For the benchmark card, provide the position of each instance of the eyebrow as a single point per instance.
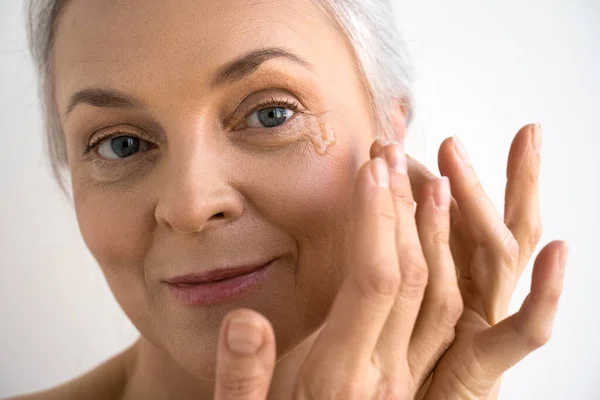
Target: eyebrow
(249, 63)
(231, 72)
(102, 98)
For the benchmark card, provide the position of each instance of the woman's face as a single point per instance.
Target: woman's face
(224, 133)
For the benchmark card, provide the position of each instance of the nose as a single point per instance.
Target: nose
(194, 197)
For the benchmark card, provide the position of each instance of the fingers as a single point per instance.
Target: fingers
(522, 205)
(434, 330)
(418, 173)
(419, 176)
(245, 358)
(365, 298)
(494, 250)
(503, 345)
(442, 304)
(485, 222)
(376, 148)
(398, 329)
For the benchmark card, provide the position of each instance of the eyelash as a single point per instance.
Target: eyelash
(272, 102)
(94, 143)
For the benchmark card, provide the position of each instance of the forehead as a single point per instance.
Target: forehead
(127, 42)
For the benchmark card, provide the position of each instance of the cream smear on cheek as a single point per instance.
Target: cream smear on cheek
(320, 133)
(311, 127)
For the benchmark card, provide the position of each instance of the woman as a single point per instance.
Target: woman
(225, 178)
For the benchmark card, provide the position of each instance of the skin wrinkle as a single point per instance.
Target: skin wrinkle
(153, 216)
(265, 76)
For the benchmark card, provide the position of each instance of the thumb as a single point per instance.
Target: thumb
(245, 356)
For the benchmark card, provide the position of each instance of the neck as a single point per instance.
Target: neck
(152, 374)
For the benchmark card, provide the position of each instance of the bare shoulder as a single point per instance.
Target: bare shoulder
(106, 381)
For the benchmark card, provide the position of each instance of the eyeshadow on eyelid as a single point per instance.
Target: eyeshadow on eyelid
(304, 85)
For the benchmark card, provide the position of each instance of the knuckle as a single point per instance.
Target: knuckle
(538, 337)
(531, 179)
(403, 198)
(380, 280)
(552, 297)
(530, 232)
(449, 308)
(414, 274)
(536, 235)
(239, 384)
(534, 335)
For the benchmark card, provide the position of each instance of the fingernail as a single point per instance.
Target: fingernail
(460, 150)
(442, 193)
(396, 158)
(380, 173)
(244, 336)
(375, 149)
(536, 138)
(382, 142)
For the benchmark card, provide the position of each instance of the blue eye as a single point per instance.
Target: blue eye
(120, 147)
(269, 117)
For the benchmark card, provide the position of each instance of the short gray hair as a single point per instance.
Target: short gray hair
(381, 54)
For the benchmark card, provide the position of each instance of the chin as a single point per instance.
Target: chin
(188, 335)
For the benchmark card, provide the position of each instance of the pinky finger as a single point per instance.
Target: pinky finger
(508, 342)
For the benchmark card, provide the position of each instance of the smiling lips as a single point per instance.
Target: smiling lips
(217, 285)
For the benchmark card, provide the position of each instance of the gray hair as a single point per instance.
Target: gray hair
(368, 24)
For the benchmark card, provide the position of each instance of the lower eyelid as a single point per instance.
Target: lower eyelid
(286, 130)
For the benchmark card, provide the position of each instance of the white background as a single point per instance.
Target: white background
(485, 68)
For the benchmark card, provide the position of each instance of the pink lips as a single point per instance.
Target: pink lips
(217, 285)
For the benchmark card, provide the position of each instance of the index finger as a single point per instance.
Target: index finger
(366, 296)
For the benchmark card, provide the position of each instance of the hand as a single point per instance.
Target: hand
(366, 345)
(490, 253)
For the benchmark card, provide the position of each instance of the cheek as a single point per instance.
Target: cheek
(116, 232)
(308, 196)
(118, 235)
(116, 225)
(299, 191)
